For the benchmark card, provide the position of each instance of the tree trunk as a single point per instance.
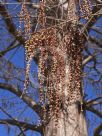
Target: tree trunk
(70, 123)
(72, 120)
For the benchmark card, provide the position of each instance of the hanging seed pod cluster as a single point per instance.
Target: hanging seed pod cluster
(74, 43)
(25, 21)
(59, 66)
(85, 8)
(42, 16)
(25, 24)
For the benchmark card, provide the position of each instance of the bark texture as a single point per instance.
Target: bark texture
(70, 123)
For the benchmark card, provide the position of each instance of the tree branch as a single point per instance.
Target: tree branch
(12, 119)
(95, 101)
(91, 109)
(95, 40)
(10, 25)
(25, 98)
(97, 29)
(13, 45)
(24, 125)
(35, 6)
(98, 130)
(85, 61)
(99, 1)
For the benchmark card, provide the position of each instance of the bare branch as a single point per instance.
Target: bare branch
(12, 119)
(93, 110)
(95, 101)
(95, 40)
(36, 6)
(99, 1)
(98, 130)
(85, 61)
(23, 125)
(13, 45)
(10, 25)
(97, 29)
(94, 46)
(29, 101)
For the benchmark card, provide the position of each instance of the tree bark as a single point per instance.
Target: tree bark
(70, 123)
(72, 120)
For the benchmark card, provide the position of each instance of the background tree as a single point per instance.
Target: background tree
(25, 111)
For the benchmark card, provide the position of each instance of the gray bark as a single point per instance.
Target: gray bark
(70, 123)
